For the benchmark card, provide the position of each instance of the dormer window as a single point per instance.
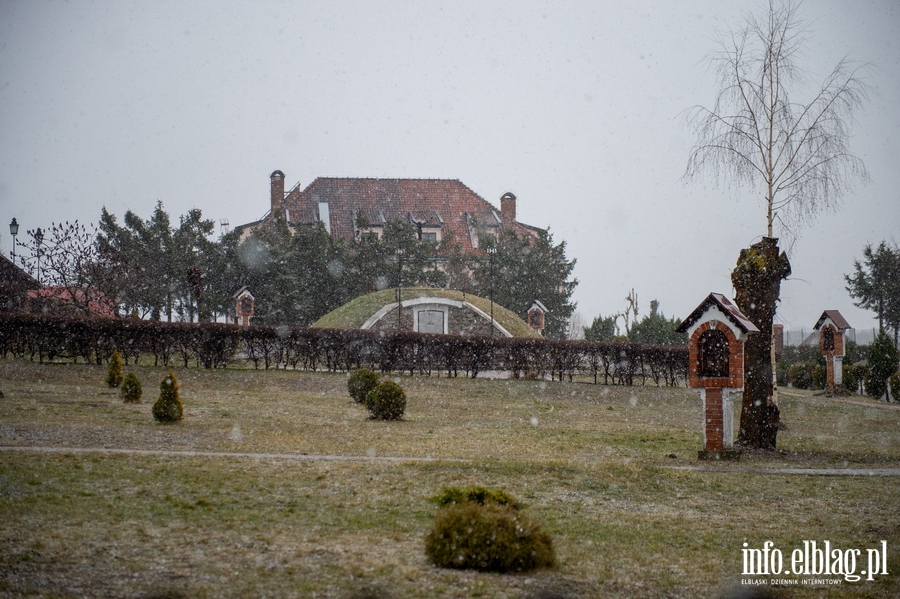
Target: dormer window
(370, 233)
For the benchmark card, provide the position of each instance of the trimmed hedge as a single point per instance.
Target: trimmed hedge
(215, 345)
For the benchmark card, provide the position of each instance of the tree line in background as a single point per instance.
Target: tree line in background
(653, 329)
(160, 270)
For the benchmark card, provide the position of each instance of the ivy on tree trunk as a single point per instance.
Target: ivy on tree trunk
(757, 283)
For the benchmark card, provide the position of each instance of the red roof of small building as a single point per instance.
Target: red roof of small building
(97, 305)
(435, 203)
(726, 306)
(836, 317)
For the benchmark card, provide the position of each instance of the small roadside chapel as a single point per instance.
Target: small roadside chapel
(716, 330)
(831, 326)
(243, 306)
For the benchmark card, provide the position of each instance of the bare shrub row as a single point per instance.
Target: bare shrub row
(215, 345)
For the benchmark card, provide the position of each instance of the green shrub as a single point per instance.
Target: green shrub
(895, 385)
(883, 359)
(114, 375)
(387, 401)
(819, 377)
(168, 408)
(849, 378)
(476, 494)
(487, 537)
(131, 389)
(861, 373)
(800, 375)
(875, 386)
(360, 383)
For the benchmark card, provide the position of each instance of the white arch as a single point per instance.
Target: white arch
(432, 301)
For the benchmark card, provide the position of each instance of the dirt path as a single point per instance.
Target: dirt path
(858, 402)
(225, 454)
(804, 471)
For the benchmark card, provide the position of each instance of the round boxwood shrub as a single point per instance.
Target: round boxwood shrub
(131, 389)
(114, 375)
(168, 408)
(489, 536)
(360, 383)
(387, 401)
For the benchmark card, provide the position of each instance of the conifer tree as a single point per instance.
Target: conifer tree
(168, 408)
(114, 375)
(131, 389)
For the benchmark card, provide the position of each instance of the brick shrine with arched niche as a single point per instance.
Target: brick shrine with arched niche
(716, 331)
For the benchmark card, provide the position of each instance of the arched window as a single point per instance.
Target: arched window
(712, 348)
(828, 339)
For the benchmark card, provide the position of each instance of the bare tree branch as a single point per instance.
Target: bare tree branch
(796, 153)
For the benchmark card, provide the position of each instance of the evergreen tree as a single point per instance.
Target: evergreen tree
(114, 374)
(601, 329)
(131, 389)
(168, 408)
(297, 274)
(883, 363)
(191, 259)
(524, 269)
(655, 329)
(159, 270)
(876, 285)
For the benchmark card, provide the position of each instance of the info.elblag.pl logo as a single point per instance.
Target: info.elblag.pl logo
(816, 559)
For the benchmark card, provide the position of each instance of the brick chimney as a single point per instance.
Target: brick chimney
(277, 192)
(508, 205)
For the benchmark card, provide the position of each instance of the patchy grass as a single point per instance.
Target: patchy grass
(591, 462)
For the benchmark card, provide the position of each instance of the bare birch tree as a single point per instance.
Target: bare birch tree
(796, 153)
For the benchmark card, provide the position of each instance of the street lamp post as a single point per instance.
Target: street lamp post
(491, 251)
(14, 230)
(39, 237)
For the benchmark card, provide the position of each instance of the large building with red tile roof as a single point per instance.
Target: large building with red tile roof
(349, 207)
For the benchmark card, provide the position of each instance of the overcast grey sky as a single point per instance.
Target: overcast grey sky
(573, 106)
